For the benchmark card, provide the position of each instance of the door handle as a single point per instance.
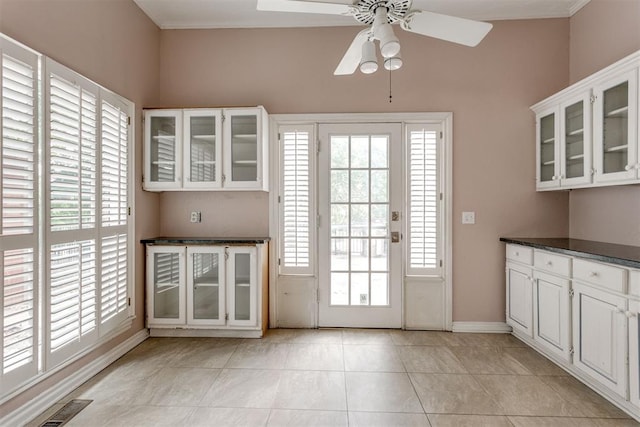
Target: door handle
(395, 236)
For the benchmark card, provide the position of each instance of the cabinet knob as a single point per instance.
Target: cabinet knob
(553, 178)
(619, 310)
(561, 176)
(517, 253)
(593, 274)
(630, 314)
(549, 263)
(628, 167)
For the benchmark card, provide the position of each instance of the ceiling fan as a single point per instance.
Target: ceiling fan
(379, 15)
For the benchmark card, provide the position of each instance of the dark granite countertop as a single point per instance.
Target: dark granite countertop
(628, 256)
(205, 240)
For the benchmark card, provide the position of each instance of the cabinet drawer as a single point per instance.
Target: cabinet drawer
(552, 263)
(520, 253)
(634, 282)
(606, 276)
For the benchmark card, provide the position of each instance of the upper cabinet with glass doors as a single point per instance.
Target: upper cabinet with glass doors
(587, 134)
(206, 149)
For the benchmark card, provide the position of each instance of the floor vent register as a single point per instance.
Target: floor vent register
(65, 413)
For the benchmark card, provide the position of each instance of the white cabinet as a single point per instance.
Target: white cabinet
(634, 337)
(519, 298)
(551, 319)
(203, 287)
(600, 336)
(587, 134)
(206, 149)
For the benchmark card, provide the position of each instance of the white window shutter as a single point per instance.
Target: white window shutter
(114, 165)
(423, 203)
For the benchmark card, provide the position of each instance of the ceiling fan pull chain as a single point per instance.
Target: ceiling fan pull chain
(390, 86)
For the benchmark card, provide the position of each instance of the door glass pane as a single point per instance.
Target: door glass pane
(547, 148)
(206, 286)
(615, 128)
(244, 148)
(166, 292)
(203, 149)
(356, 220)
(242, 286)
(574, 138)
(163, 149)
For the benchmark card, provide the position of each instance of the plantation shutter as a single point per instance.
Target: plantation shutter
(296, 200)
(424, 193)
(18, 215)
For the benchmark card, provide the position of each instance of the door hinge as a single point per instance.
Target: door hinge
(226, 254)
(318, 146)
(441, 196)
(279, 200)
(441, 134)
(440, 263)
(279, 261)
(224, 177)
(226, 316)
(571, 351)
(143, 178)
(128, 120)
(318, 221)
(224, 117)
(592, 99)
(129, 302)
(571, 292)
(317, 295)
(129, 210)
(279, 137)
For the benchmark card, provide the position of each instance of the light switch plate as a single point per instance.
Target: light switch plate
(468, 217)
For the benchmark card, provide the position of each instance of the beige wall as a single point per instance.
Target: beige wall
(488, 88)
(603, 32)
(113, 43)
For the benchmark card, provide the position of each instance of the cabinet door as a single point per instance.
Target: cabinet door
(548, 152)
(202, 149)
(599, 336)
(162, 147)
(165, 285)
(614, 128)
(634, 352)
(575, 141)
(244, 145)
(519, 298)
(242, 286)
(205, 285)
(551, 321)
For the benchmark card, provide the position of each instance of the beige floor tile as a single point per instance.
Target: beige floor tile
(533, 361)
(441, 420)
(387, 419)
(430, 359)
(453, 394)
(372, 358)
(456, 339)
(527, 395)
(280, 335)
(240, 417)
(319, 357)
(243, 388)
(551, 422)
(367, 336)
(583, 398)
(181, 386)
(612, 422)
(418, 337)
(155, 352)
(489, 361)
(384, 392)
(297, 418)
(206, 353)
(323, 390)
(318, 336)
(131, 416)
(257, 355)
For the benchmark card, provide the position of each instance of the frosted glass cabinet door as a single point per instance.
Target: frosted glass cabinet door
(165, 281)
(202, 148)
(242, 286)
(575, 148)
(205, 290)
(548, 174)
(243, 148)
(163, 159)
(615, 127)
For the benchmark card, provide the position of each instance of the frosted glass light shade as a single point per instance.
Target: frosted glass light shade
(393, 63)
(369, 61)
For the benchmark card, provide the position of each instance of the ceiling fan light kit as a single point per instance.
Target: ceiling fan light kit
(379, 15)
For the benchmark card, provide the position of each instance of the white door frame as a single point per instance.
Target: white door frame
(308, 284)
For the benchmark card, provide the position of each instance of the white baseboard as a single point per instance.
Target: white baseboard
(34, 407)
(482, 327)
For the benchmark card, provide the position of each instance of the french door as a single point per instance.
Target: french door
(360, 198)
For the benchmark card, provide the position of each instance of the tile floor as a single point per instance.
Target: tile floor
(339, 378)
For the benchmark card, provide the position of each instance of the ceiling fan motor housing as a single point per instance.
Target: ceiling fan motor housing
(366, 10)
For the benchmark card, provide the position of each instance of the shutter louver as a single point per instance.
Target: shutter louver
(423, 200)
(18, 147)
(296, 199)
(114, 276)
(114, 166)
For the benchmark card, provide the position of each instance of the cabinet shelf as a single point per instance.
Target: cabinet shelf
(163, 162)
(245, 162)
(548, 141)
(549, 163)
(164, 287)
(204, 162)
(245, 137)
(159, 137)
(620, 112)
(243, 285)
(205, 138)
(206, 285)
(576, 132)
(576, 157)
(616, 148)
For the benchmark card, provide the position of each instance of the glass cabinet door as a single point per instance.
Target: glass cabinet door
(162, 149)
(243, 139)
(242, 286)
(202, 148)
(205, 290)
(615, 121)
(165, 270)
(547, 151)
(575, 142)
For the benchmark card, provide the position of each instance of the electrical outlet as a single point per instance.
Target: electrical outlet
(196, 216)
(468, 217)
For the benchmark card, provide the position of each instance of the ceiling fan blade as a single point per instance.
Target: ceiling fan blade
(351, 58)
(445, 27)
(304, 7)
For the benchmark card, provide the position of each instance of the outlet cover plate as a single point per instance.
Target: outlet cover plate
(468, 217)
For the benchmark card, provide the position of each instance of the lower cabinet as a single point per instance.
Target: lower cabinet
(200, 288)
(634, 338)
(519, 298)
(551, 318)
(600, 336)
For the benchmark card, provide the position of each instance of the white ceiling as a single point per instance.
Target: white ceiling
(176, 14)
